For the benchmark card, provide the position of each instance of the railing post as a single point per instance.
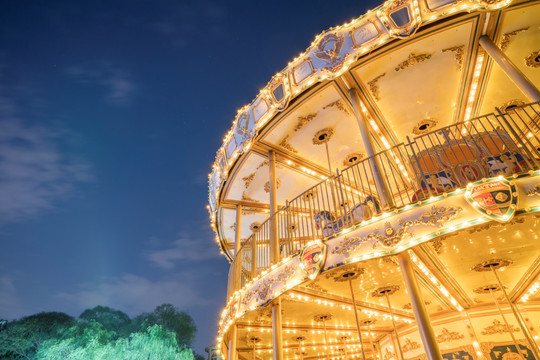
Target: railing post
(253, 256)
(510, 69)
(237, 245)
(375, 166)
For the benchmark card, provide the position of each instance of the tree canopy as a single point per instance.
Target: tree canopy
(100, 333)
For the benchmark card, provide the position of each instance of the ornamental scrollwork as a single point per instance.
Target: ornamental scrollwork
(285, 144)
(535, 190)
(533, 60)
(303, 120)
(328, 49)
(374, 87)
(508, 36)
(448, 335)
(338, 104)
(410, 345)
(498, 328)
(262, 292)
(458, 51)
(391, 235)
(413, 59)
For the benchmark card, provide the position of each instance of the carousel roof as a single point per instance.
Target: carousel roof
(417, 65)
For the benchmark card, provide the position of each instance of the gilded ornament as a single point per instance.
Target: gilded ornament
(390, 260)
(498, 328)
(284, 144)
(350, 273)
(323, 317)
(242, 124)
(385, 290)
(535, 190)
(391, 236)
(533, 60)
(410, 345)
(458, 51)
(448, 335)
(247, 198)
(493, 263)
(338, 104)
(323, 136)
(389, 355)
(505, 41)
(353, 158)
(413, 59)
(487, 289)
(267, 185)
(374, 87)
(424, 126)
(314, 286)
(303, 120)
(255, 226)
(437, 245)
(510, 105)
(262, 292)
(328, 49)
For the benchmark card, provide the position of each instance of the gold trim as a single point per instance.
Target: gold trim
(308, 60)
(409, 345)
(385, 290)
(328, 131)
(247, 198)
(339, 105)
(413, 59)
(348, 162)
(507, 37)
(430, 123)
(267, 185)
(374, 87)
(498, 328)
(303, 120)
(448, 335)
(328, 50)
(285, 144)
(514, 103)
(530, 60)
(458, 51)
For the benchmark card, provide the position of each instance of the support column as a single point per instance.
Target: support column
(233, 355)
(277, 338)
(420, 313)
(386, 198)
(237, 246)
(510, 69)
(274, 238)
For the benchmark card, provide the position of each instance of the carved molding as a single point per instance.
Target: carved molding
(267, 185)
(285, 144)
(498, 328)
(534, 190)
(263, 290)
(328, 131)
(374, 87)
(507, 37)
(458, 51)
(338, 105)
(328, 49)
(409, 345)
(448, 335)
(533, 59)
(303, 120)
(413, 59)
(424, 126)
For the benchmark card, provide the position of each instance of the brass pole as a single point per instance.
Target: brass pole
(519, 319)
(394, 325)
(356, 319)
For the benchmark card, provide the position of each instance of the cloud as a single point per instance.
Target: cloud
(119, 86)
(34, 172)
(135, 294)
(186, 248)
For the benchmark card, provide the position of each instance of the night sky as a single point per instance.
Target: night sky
(110, 116)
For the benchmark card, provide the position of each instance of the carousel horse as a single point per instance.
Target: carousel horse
(325, 221)
(504, 164)
(435, 184)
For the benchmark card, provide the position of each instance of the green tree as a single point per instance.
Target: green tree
(20, 339)
(156, 343)
(168, 316)
(111, 319)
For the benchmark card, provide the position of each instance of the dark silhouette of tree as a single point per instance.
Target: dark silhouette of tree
(168, 316)
(111, 319)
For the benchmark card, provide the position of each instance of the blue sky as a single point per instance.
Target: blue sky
(110, 115)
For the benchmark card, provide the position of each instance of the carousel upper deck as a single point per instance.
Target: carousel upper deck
(401, 148)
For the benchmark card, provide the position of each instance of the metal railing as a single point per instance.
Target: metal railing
(430, 164)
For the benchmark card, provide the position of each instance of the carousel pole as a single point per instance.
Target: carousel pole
(510, 69)
(519, 319)
(325, 338)
(373, 160)
(420, 312)
(237, 246)
(394, 325)
(233, 355)
(506, 323)
(356, 319)
(277, 337)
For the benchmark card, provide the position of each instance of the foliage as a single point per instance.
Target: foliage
(111, 319)
(155, 343)
(20, 339)
(99, 333)
(168, 316)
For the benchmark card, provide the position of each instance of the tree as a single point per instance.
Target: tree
(21, 339)
(168, 316)
(111, 319)
(156, 343)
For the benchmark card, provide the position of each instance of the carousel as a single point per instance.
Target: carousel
(380, 197)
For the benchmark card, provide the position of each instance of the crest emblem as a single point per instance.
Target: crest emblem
(496, 198)
(312, 258)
